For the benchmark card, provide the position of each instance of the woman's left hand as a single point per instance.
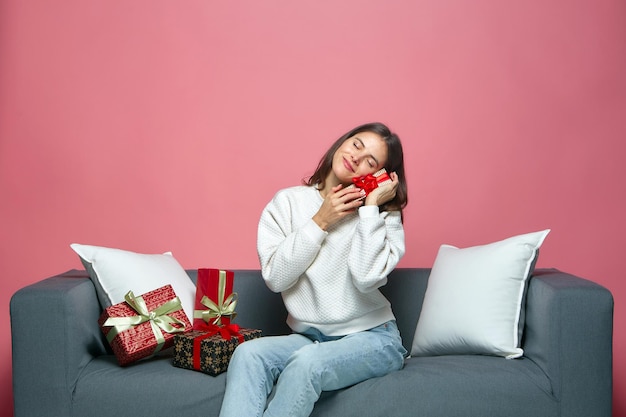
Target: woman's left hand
(384, 193)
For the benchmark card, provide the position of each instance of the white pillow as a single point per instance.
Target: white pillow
(114, 272)
(475, 299)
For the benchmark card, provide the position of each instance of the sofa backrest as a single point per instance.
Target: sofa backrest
(260, 308)
(405, 290)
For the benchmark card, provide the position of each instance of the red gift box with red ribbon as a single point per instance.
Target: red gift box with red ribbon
(141, 326)
(370, 182)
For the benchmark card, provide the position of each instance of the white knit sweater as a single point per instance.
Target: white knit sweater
(328, 280)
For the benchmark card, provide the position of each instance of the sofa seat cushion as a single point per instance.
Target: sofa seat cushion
(454, 386)
(153, 386)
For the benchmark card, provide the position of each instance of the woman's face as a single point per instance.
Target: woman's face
(361, 154)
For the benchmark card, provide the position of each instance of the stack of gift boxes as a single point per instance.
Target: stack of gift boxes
(141, 326)
(209, 346)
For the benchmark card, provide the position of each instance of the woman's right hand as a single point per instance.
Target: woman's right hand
(339, 202)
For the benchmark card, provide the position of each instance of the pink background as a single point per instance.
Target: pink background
(167, 125)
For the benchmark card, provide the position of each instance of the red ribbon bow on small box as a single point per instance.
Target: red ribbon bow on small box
(370, 182)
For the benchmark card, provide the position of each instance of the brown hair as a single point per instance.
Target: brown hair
(395, 162)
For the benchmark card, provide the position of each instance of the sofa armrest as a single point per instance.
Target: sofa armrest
(568, 333)
(53, 339)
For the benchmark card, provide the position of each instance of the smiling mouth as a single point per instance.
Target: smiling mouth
(348, 165)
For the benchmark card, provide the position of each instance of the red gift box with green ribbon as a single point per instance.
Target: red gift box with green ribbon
(215, 299)
(141, 326)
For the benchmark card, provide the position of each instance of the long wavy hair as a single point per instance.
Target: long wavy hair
(395, 162)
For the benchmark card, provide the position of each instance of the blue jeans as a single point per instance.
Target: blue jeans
(304, 365)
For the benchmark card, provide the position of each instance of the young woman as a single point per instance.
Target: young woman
(327, 250)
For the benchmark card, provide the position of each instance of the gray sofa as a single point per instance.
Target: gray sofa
(62, 366)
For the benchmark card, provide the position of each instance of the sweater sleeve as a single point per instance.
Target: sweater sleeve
(285, 252)
(377, 247)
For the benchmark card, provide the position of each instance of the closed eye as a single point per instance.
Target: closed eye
(358, 144)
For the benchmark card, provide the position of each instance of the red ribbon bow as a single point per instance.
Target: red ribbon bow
(367, 183)
(227, 332)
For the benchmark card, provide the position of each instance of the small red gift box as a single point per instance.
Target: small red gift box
(143, 325)
(215, 300)
(370, 182)
(210, 351)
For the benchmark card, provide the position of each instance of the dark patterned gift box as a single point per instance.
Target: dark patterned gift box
(210, 352)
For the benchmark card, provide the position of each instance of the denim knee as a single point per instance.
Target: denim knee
(246, 359)
(241, 354)
(305, 358)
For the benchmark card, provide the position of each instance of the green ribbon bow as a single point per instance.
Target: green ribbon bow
(158, 318)
(224, 307)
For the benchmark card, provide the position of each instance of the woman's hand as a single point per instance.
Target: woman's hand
(338, 203)
(384, 193)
